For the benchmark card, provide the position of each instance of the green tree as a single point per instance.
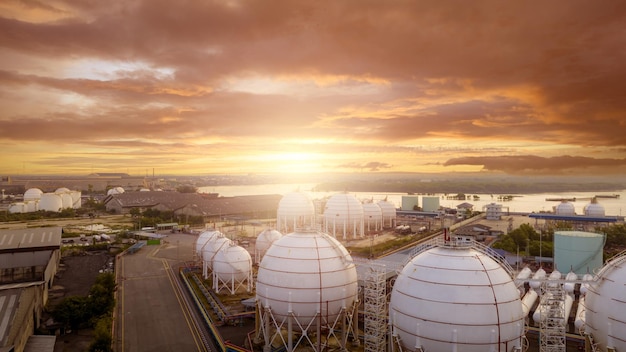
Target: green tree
(102, 336)
(72, 311)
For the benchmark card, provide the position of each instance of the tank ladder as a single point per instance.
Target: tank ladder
(551, 328)
(375, 307)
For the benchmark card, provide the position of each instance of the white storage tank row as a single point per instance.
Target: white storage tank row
(35, 199)
(230, 265)
(344, 216)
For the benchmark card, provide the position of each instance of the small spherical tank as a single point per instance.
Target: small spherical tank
(605, 304)
(565, 208)
(306, 272)
(203, 239)
(33, 194)
(232, 263)
(451, 298)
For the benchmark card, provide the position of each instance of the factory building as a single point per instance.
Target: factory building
(29, 259)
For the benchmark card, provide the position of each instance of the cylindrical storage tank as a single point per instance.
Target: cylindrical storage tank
(76, 201)
(538, 276)
(66, 199)
(594, 209)
(578, 251)
(605, 304)
(409, 202)
(430, 203)
(31, 206)
(32, 194)
(372, 216)
(51, 202)
(343, 216)
(264, 241)
(565, 208)
(295, 210)
(306, 272)
(232, 262)
(388, 212)
(17, 208)
(456, 299)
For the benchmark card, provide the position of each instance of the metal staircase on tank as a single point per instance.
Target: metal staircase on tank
(375, 307)
(552, 329)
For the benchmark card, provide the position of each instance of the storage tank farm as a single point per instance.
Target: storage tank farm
(306, 284)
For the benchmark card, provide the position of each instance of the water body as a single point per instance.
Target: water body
(526, 203)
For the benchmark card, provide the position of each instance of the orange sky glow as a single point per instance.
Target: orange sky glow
(204, 87)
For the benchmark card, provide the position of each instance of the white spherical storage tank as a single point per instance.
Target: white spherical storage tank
(232, 268)
(32, 194)
(306, 272)
(594, 209)
(456, 299)
(343, 216)
(203, 239)
(115, 190)
(215, 244)
(264, 241)
(605, 304)
(372, 216)
(388, 211)
(295, 210)
(565, 208)
(51, 202)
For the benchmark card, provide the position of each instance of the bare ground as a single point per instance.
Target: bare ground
(75, 277)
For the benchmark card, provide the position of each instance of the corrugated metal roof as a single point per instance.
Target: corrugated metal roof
(9, 302)
(40, 343)
(30, 238)
(24, 259)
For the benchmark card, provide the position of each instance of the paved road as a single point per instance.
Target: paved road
(150, 313)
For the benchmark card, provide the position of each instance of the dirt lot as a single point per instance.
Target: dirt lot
(75, 277)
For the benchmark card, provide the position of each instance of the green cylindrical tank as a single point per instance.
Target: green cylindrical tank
(578, 251)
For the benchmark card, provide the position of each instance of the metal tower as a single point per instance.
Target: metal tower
(552, 328)
(375, 306)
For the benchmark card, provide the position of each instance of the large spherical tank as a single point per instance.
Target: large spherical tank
(343, 214)
(32, 194)
(565, 208)
(449, 295)
(204, 238)
(308, 271)
(605, 305)
(265, 239)
(50, 202)
(594, 209)
(295, 210)
(578, 251)
(232, 262)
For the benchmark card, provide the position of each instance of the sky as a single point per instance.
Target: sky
(197, 87)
